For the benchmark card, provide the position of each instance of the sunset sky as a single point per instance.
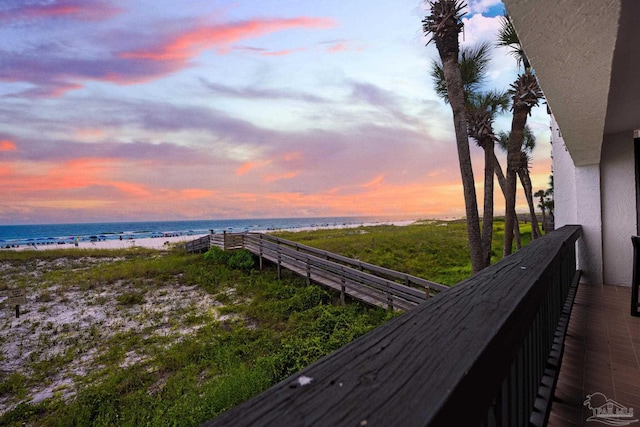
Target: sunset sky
(114, 110)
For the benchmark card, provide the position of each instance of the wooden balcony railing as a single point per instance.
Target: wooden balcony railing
(485, 352)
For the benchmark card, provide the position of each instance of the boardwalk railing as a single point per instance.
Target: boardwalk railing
(360, 280)
(200, 245)
(485, 352)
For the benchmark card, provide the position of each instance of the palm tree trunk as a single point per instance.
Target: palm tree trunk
(499, 174)
(502, 181)
(487, 220)
(525, 180)
(514, 149)
(453, 78)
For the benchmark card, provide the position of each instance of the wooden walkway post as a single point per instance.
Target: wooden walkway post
(261, 243)
(279, 260)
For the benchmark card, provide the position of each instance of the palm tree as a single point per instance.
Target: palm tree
(481, 110)
(444, 24)
(526, 94)
(529, 143)
(541, 194)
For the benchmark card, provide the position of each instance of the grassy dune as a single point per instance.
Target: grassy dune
(434, 250)
(148, 338)
(145, 337)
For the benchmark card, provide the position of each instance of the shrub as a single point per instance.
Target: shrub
(241, 260)
(238, 259)
(217, 255)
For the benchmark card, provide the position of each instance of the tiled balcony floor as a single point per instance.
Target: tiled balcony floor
(602, 354)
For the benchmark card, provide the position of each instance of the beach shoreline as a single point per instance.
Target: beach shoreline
(166, 242)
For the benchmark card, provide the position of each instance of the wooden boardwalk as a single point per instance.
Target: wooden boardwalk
(359, 280)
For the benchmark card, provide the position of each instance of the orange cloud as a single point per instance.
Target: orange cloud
(278, 177)
(374, 182)
(292, 157)
(248, 166)
(195, 193)
(7, 145)
(129, 188)
(194, 42)
(86, 187)
(89, 133)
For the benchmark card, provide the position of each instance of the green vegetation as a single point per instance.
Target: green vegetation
(267, 330)
(434, 250)
(210, 331)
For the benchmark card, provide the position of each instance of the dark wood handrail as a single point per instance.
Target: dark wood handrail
(473, 355)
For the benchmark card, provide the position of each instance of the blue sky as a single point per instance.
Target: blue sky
(155, 110)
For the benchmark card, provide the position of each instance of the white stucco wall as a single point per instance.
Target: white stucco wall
(589, 215)
(564, 182)
(577, 201)
(617, 170)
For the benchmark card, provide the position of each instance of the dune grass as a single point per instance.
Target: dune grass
(434, 250)
(205, 336)
(259, 331)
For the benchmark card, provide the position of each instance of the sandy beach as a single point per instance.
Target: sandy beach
(149, 242)
(169, 241)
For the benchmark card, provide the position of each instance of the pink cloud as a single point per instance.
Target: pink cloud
(295, 156)
(7, 145)
(189, 44)
(338, 47)
(374, 182)
(248, 166)
(55, 75)
(282, 52)
(195, 193)
(79, 9)
(342, 46)
(279, 176)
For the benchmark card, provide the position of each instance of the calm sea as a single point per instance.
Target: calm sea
(54, 233)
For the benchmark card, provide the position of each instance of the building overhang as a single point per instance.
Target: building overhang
(585, 55)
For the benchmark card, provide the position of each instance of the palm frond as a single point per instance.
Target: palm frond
(474, 63)
(508, 37)
(528, 142)
(445, 16)
(503, 140)
(440, 84)
(526, 91)
(494, 101)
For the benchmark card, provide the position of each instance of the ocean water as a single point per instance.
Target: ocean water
(59, 233)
